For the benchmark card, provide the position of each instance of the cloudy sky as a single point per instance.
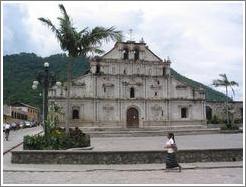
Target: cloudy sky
(202, 39)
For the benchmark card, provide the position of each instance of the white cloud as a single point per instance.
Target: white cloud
(203, 39)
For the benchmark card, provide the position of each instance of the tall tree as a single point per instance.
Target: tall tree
(224, 82)
(78, 43)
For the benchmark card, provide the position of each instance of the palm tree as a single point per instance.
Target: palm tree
(225, 83)
(78, 43)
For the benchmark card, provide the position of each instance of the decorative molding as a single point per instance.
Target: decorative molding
(125, 83)
(108, 85)
(181, 86)
(156, 107)
(108, 107)
(155, 86)
(82, 84)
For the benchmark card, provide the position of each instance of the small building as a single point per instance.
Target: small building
(24, 111)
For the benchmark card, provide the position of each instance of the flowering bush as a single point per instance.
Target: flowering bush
(57, 139)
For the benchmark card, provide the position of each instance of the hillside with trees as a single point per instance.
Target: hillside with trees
(20, 70)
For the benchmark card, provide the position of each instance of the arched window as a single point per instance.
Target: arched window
(75, 114)
(126, 54)
(184, 112)
(124, 71)
(97, 68)
(132, 92)
(163, 71)
(136, 54)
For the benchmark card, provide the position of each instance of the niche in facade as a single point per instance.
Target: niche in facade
(125, 54)
(184, 112)
(98, 68)
(132, 92)
(163, 71)
(136, 54)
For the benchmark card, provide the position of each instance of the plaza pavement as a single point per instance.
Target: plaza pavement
(193, 173)
(16, 137)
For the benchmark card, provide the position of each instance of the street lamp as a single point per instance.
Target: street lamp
(46, 80)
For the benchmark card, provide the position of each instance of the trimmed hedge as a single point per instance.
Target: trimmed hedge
(57, 139)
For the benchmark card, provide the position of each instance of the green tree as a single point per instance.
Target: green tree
(78, 43)
(224, 82)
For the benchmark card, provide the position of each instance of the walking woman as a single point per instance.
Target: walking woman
(171, 161)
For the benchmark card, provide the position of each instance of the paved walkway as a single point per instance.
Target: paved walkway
(16, 137)
(193, 173)
(206, 141)
(150, 175)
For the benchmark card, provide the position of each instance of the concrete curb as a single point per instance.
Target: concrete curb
(130, 170)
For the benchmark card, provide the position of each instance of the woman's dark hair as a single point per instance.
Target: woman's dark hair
(171, 135)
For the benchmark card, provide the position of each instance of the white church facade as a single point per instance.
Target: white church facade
(131, 87)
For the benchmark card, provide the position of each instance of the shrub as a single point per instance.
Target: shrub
(57, 139)
(216, 120)
(229, 127)
(237, 121)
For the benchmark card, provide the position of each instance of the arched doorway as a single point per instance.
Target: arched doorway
(132, 118)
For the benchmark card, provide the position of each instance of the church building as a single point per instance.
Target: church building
(131, 87)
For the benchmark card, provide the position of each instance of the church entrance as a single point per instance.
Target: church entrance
(132, 118)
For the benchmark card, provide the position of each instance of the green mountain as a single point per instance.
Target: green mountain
(211, 94)
(19, 71)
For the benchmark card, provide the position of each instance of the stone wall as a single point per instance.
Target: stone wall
(218, 109)
(123, 157)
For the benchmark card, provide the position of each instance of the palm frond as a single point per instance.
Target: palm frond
(233, 83)
(232, 90)
(64, 13)
(48, 23)
(99, 34)
(218, 83)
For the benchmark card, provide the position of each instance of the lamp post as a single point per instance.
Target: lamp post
(46, 79)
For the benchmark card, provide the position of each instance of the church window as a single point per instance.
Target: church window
(104, 89)
(132, 92)
(126, 54)
(184, 112)
(75, 114)
(155, 93)
(136, 54)
(98, 68)
(158, 82)
(162, 113)
(124, 71)
(163, 71)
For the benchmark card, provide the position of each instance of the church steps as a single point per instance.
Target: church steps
(147, 128)
(134, 132)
